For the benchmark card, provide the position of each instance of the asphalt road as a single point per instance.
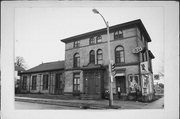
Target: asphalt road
(26, 105)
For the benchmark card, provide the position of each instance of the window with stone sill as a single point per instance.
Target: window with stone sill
(76, 82)
(119, 55)
(76, 60)
(99, 39)
(92, 41)
(76, 44)
(118, 34)
(99, 56)
(92, 57)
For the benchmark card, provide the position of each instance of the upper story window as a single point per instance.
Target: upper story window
(99, 39)
(99, 56)
(76, 60)
(76, 44)
(45, 81)
(118, 34)
(92, 57)
(119, 55)
(34, 78)
(92, 40)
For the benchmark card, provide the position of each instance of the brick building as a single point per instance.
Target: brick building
(84, 72)
(86, 61)
(47, 78)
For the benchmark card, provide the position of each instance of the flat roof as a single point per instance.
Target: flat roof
(137, 23)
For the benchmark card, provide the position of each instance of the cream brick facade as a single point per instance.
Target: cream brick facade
(133, 36)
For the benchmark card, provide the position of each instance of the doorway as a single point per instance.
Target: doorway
(121, 82)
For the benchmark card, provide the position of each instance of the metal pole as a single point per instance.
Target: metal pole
(109, 58)
(110, 72)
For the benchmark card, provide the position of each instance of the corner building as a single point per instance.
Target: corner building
(86, 62)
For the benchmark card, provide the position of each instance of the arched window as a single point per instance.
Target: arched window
(98, 39)
(92, 57)
(119, 55)
(99, 56)
(76, 60)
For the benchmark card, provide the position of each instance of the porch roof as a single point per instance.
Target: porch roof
(93, 66)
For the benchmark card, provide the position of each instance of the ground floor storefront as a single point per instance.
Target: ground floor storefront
(91, 82)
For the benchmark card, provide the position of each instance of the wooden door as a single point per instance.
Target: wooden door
(91, 82)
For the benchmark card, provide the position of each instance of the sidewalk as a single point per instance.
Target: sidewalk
(94, 104)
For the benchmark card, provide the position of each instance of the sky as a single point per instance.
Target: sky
(38, 31)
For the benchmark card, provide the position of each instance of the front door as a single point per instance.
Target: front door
(121, 82)
(92, 82)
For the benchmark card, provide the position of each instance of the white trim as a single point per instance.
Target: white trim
(119, 74)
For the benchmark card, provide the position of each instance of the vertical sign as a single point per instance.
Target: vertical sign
(145, 82)
(144, 67)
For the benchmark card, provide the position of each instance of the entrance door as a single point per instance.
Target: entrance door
(92, 80)
(121, 82)
(58, 83)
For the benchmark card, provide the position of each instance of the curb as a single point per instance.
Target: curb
(69, 104)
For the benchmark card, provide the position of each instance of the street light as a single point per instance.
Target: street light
(109, 56)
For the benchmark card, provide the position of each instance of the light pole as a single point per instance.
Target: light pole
(109, 57)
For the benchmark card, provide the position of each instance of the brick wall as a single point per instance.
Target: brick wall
(129, 42)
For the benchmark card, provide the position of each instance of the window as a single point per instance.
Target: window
(99, 56)
(118, 34)
(133, 83)
(45, 81)
(77, 60)
(76, 83)
(91, 56)
(92, 40)
(144, 56)
(98, 39)
(119, 55)
(58, 81)
(34, 78)
(76, 44)
(136, 78)
(24, 82)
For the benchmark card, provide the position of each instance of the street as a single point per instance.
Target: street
(27, 105)
(31, 103)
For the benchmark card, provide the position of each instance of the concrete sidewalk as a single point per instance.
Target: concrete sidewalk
(95, 104)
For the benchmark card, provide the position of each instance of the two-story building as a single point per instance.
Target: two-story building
(86, 61)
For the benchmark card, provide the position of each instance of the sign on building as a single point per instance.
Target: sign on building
(137, 49)
(144, 67)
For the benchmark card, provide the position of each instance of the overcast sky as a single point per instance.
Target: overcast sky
(38, 31)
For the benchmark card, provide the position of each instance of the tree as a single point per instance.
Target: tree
(19, 61)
